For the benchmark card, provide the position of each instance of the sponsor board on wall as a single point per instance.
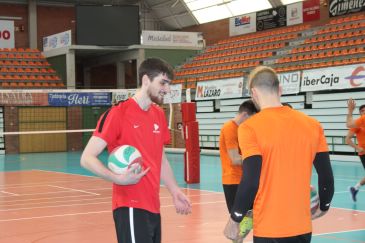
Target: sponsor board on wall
(294, 13)
(242, 24)
(311, 10)
(24, 98)
(79, 99)
(7, 39)
(290, 82)
(343, 7)
(174, 96)
(271, 18)
(122, 94)
(57, 40)
(171, 38)
(219, 89)
(340, 77)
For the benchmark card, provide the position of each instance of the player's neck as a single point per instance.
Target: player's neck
(143, 102)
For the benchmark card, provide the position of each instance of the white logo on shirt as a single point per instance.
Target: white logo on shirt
(135, 126)
(156, 128)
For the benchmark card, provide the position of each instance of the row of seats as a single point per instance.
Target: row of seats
(31, 85)
(20, 56)
(24, 63)
(13, 70)
(329, 37)
(328, 45)
(232, 60)
(10, 50)
(9, 77)
(322, 54)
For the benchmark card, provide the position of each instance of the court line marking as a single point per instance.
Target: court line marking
(339, 232)
(86, 199)
(43, 183)
(46, 198)
(76, 190)
(109, 211)
(12, 194)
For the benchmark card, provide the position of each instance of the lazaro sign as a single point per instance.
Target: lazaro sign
(219, 89)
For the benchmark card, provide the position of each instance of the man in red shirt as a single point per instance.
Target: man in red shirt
(356, 127)
(140, 123)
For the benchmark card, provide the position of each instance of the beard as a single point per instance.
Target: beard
(158, 99)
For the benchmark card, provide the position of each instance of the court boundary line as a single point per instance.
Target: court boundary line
(76, 190)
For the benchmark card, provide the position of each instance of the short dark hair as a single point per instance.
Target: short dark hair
(249, 107)
(287, 104)
(361, 107)
(152, 67)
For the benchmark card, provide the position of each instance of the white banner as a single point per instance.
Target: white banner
(170, 38)
(294, 13)
(175, 94)
(340, 77)
(57, 40)
(290, 82)
(123, 94)
(219, 89)
(242, 24)
(7, 39)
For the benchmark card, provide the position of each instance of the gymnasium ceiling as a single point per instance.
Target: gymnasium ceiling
(178, 14)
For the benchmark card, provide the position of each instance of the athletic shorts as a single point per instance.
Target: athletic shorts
(230, 194)
(362, 158)
(306, 238)
(134, 225)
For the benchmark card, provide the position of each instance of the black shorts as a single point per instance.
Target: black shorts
(230, 194)
(134, 225)
(362, 158)
(306, 238)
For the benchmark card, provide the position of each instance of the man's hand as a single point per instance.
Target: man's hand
(351, 104)
(318, 213)
(182, 203)
(232, 230)
(130, 177)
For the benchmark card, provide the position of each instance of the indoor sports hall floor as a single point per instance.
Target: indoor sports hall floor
(48, 198)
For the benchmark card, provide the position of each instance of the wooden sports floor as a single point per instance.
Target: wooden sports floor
(48, 198)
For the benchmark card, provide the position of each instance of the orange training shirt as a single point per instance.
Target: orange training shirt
(288, 141)
(360, 132)
(231, 174)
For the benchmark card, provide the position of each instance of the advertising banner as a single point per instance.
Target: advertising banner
(79, 99)
(340, 77)
(242, 24)
(7, 39)
(219, 89)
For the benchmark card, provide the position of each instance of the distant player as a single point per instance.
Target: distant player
(356, 127)
(279, 147)
(230, 155)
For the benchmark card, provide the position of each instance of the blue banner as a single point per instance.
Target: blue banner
(79, 99)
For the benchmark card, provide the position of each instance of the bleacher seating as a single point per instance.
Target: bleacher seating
(294, 48)
(26, 68)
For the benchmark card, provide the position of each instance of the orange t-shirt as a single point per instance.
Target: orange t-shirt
(288, 141)
(360, 132)
(231, 174)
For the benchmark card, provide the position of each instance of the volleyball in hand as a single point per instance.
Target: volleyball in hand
(314, 200)
(121, 158)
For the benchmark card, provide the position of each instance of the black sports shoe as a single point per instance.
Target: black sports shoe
(353, 192)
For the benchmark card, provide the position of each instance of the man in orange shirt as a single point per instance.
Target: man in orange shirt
(359, 130)
(230, 154)
(279, 146)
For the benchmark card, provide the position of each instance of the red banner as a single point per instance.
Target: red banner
(311, 10)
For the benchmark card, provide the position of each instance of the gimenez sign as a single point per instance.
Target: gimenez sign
(219, 89)
(340, 77)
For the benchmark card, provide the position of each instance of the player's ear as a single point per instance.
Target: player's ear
(145, 80)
